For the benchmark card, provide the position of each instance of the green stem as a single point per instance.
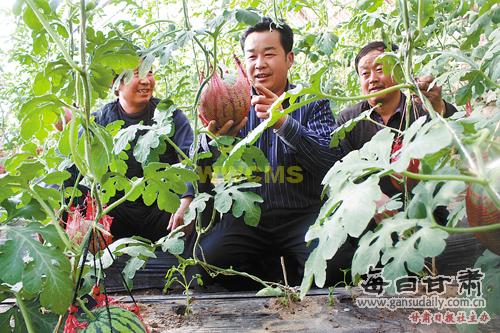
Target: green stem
(75, 187)
(208, 133)
(53, 35)
(215, 53)
(196, 64)
(85, 309)
(197, 99)
(206, 53)
(212, 220)
(420, 19)
(186, 291)
(466, 179)
(200, 230)
(382, 125)
(405, 16)
(148, 24)
(71, 48)
(230, 272)
(484, 228)
(408, 59)
(54, 218)
(408, 62)
(198, 93)
(59, 323)
(87, 92)
(319, 96)
(364, 97)
(425, 101)
(176, 147)
(69, 106)
(24, 312)
(136, 184)
(95, 195)
(187, 25)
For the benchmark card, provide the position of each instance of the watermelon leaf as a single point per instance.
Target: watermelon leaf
(42, 269)
(242, 202)
(164, 183)
(339, 133)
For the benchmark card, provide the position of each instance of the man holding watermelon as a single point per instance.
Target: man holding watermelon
(300, 139)
(391, 113)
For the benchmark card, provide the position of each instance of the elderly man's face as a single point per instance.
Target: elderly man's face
(373, 78)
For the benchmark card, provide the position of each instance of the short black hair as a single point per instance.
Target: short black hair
(377, 45)
(267, 24)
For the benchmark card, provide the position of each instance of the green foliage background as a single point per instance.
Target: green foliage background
(327, 33)
(52, 64)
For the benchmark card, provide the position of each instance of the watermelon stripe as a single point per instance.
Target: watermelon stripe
(129, 322)
(132, 321)
(122, 321)
(118, 327)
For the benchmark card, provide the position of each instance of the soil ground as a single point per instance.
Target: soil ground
(243, 312)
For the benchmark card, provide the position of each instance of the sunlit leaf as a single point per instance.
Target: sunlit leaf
(242, 202)
(196, 206)
(340, 132)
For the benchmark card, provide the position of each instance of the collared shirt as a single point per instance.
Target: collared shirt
(396, 115)
(299, 156)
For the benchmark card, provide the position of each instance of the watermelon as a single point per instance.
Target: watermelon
(123, 321)
(224, 99)
(481, 210)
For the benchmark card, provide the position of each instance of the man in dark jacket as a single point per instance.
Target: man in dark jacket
(136, 104)
(390, 113)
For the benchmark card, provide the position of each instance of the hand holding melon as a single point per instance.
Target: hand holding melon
(225, 102)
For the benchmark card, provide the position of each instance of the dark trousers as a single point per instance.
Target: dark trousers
(256, 250)
(136, 219)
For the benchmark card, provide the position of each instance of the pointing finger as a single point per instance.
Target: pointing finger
(259, 99)
(264, 91)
